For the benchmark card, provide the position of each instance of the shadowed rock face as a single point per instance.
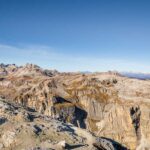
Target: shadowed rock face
(136, 116)
(2, 120)
(68, 112)
(108, 144)
(107, 104)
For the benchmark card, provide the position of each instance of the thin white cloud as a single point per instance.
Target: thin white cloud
(48, 57)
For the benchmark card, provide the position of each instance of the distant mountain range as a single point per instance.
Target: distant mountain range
(142, 76)
(137, 75)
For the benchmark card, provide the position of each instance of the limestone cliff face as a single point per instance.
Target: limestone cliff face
(107, 104)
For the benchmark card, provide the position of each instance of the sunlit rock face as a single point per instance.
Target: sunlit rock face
(107, 104)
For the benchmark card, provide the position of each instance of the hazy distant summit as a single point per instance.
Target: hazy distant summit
(140, 75)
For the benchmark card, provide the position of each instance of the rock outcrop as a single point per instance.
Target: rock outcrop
(107, 104)
(24, 128)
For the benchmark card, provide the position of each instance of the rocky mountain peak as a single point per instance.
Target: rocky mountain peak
(106, 104)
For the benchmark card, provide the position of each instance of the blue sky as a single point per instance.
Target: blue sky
(76, 35)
